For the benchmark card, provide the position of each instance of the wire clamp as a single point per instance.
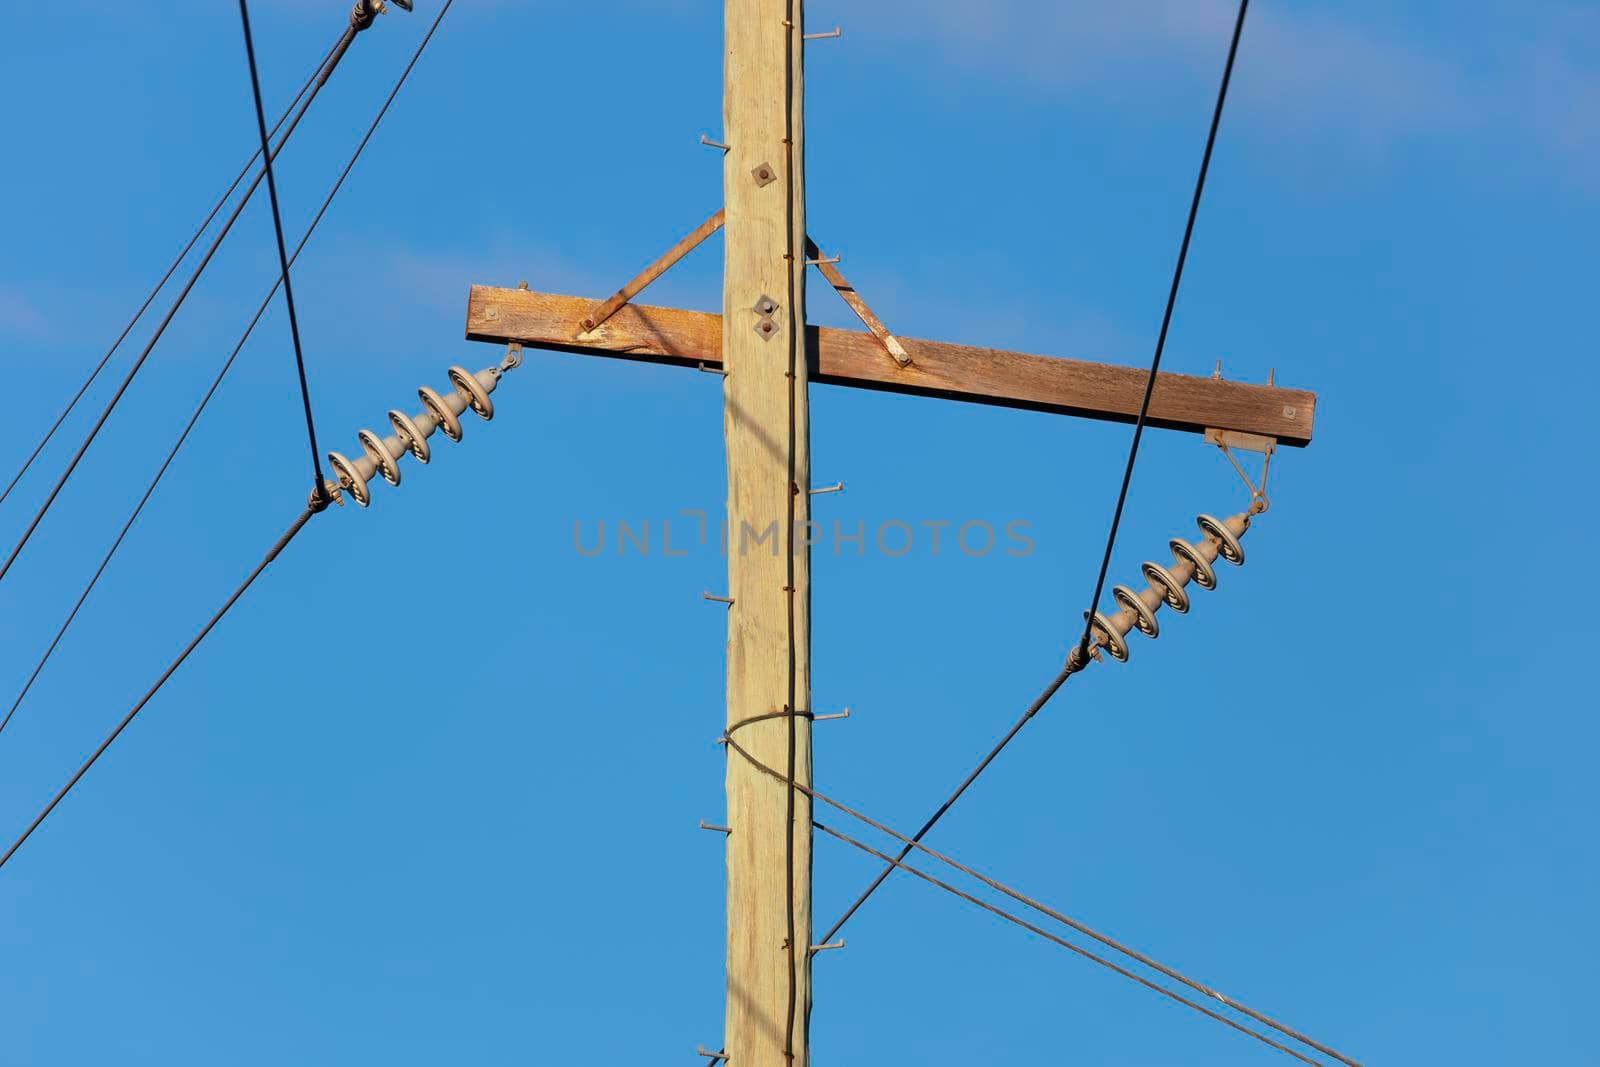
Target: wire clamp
(321, 496)
(365, 11)
(1225, 440)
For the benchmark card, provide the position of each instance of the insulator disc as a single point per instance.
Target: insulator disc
(350, 478)
(1111, 639)
(1204, 576)
(441, 411)
(1217, 530)
(411, 434)
(1143, 617)
(373, 446)
(1172, 590)
(463, 380)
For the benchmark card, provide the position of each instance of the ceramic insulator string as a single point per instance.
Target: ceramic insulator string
(1192, 562)
(382, 455)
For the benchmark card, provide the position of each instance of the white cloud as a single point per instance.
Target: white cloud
(20, 317)
(1301, 72)
(1561, 93)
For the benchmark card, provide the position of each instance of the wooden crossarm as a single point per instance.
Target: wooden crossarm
(953, 372)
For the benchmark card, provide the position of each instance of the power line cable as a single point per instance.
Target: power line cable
(318, 489)
(1068, 945)
(1044, 909)
(272, 554)
(1079, 657)
(227, 364)
(150, 298)
(358, 22)
(1033, 709)
(1166, 322)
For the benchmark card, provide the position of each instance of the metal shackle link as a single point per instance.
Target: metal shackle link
(382, 455)
(1192, 562)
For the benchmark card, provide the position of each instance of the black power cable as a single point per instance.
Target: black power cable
(355, 27)
(1166, 321)
(1041, 908)
(318, 489)
(1079, 656)
(150, 299)
(272, 554)
(227, 364)
(1054, 939)
(1033, 709)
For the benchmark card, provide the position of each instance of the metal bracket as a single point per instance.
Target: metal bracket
(766, 326)
(1245, 442)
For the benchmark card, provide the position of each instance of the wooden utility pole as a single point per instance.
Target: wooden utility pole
(769, 358)
(769, 564)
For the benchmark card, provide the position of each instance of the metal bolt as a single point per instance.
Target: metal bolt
(764, 174)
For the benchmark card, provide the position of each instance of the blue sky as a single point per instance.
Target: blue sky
(431, 793)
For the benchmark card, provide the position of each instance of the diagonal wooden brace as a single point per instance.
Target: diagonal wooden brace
(874, 325)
